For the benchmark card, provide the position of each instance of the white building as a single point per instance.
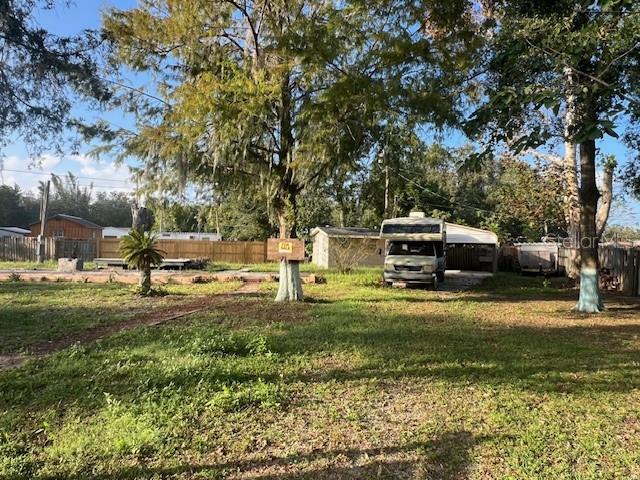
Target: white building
(212, 237)
(114, 232)
(118, 232)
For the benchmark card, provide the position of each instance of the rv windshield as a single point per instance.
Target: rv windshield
(426, 249)
(410, 228)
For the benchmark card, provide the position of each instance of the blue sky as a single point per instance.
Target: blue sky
(105, 175)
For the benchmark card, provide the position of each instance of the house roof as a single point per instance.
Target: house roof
(19, 230)
(71, 218)
(350, 232)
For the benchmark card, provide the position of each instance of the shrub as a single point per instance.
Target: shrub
(15, 277)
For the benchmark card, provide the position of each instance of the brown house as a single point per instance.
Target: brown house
(67, 226)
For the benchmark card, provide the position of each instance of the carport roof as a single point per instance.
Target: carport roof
(463, 234)
(349, 232)
(455, 234)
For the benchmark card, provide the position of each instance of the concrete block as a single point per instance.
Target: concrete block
(70, 265)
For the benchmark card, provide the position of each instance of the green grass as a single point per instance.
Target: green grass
(358, 382)
(33, 313)
(261, 267)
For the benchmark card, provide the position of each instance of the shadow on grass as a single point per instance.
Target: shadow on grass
(446, 457)
(456, 350)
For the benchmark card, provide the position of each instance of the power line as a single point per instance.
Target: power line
(438, 195)
(31, 172)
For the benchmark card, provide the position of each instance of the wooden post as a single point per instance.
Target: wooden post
(43, 220)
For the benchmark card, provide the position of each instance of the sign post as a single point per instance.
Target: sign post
(285, 249)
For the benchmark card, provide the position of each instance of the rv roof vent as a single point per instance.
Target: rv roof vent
(416, 214)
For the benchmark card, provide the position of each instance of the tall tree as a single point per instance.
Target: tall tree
(39, 74)
(17, 209)
(569, 61)
(526, 200)
(266, 96)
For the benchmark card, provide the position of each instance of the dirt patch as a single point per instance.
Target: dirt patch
(231, 302)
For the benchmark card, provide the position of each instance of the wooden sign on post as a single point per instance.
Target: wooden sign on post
(287, 248)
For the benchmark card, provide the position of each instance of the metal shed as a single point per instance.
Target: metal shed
(335, 245)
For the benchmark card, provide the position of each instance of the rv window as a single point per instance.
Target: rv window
(426, 249)
(399, 228)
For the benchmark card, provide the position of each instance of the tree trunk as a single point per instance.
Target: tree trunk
(145, 280)
(142, 218)
(289, 282)
(606, 196)
(572, 199)
(572, 209)
(590, 300)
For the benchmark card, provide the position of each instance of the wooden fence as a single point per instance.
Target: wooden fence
(25, 249)
(229, 252)
(622, 262)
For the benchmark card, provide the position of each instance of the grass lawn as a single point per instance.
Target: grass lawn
(358, 382)
(33, 313)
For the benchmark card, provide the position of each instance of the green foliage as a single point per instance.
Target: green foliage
(67, 196)
(232, 344)
(527, 199)
(139, 250)
(536, 56)
(16, 208)
(40, 71)
(236, 398)
(621, 233)
(271, 114)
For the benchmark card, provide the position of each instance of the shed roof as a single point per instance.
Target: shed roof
(350, 232)
(21, 231)
(71, 218)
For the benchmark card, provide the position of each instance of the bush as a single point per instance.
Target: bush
(15, 277)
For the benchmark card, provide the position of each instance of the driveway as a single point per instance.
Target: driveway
(458, 280)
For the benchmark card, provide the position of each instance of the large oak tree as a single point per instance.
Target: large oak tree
(265, 97)
(567, 65)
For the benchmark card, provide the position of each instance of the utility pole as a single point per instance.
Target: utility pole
(384, 161)
(44, 206)
(386, 188)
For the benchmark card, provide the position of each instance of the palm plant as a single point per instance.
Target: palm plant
(139, 250)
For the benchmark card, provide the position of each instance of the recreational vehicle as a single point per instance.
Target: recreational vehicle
(415, 249)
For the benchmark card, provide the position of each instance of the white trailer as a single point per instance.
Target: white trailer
(415, 249)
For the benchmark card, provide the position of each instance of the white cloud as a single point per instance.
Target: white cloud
(103, 176)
